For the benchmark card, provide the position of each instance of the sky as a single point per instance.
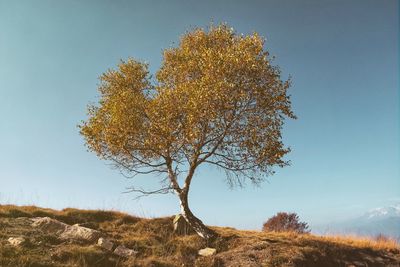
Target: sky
(342, 55)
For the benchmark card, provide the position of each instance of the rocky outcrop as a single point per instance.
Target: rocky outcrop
(80, 233)
(77, 232)
(120, 250)
(65, 231)
(49, 225)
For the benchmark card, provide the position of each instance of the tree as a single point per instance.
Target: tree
(216, 100)
(285, 222)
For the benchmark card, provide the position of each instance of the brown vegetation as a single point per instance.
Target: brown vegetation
(285, 222)
(159, 246)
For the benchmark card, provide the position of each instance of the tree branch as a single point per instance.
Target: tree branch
(145, 193)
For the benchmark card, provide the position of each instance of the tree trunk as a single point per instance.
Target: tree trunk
(194, 222)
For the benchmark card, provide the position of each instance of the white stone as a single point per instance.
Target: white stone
(16, 241)
(81, 233)
(105, 243)
(124, 252)
(64, 230)
(49, 225)
(207, 252)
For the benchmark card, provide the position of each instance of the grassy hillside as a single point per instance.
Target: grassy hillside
(157, 245)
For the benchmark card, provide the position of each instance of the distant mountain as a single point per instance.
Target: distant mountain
(385, 220)
(383, 213)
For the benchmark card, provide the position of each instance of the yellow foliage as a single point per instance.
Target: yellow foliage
(216, 99)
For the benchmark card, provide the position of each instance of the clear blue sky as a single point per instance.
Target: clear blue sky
(343, 56)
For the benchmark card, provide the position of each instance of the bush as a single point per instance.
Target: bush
(285, 222)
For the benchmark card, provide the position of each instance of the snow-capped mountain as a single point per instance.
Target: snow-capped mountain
(384, 220)
(384, 212)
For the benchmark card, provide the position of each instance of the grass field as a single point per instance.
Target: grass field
(159, 246)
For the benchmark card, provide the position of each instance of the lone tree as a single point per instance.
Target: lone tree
(216, 100)
(286, 222)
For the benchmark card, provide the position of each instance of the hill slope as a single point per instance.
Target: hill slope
(157, 245)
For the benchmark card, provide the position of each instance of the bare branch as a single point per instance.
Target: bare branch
(144, 193)
(222, 165)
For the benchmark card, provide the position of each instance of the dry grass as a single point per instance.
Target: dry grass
(346, 240)
(68, 215)
(159, 246)
(364, 242)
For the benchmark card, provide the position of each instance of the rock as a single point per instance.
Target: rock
(124, 252)
(105, 243)
(181, 227)
(64, 230)
(207, 252)
(16, 241)
(49, 225)
(80, 233)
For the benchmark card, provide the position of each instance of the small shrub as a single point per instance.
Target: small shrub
(285, 222)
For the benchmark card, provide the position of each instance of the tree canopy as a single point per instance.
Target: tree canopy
(216, 99)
